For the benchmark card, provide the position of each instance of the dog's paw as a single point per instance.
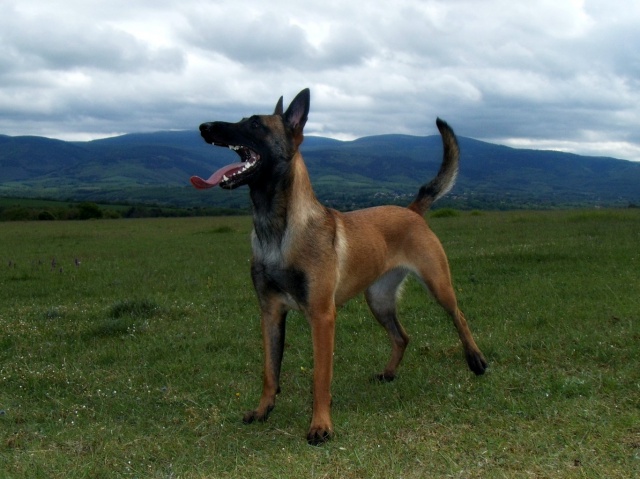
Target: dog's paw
(476, 362)
(384, 377)
(256, 415)
(319, 435)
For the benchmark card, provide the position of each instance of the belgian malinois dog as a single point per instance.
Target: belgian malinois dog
(313, 259)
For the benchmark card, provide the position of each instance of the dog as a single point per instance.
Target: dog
(311, 258)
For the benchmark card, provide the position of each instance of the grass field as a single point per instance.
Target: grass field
(131, 348)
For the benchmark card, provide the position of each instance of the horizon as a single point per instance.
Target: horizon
(307, 135)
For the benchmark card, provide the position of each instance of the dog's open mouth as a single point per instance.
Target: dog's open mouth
(233, 175)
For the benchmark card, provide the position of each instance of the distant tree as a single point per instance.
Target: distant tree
(88, 210)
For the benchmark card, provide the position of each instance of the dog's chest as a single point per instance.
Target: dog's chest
(272, 273)
(269, 250)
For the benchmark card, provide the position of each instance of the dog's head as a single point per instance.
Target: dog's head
(265, 144)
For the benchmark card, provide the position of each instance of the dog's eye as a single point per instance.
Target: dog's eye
(255, 124)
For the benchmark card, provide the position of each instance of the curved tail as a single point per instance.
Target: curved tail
(446, 177)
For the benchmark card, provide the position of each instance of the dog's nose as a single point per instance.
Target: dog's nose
(204, 127)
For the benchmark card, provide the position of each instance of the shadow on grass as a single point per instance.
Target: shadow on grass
(142, 308)
(124, 319)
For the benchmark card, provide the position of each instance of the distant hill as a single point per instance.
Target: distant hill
(156, 167)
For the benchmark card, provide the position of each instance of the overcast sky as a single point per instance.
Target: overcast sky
(546, 74)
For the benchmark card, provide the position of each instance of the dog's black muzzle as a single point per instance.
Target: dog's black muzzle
(206, 131)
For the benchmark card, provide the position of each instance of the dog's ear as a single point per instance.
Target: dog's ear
(296, 115)
(279, 108)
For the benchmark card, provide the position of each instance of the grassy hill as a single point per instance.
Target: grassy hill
(156, 167)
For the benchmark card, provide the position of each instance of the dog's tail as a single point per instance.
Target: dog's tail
(446, 177)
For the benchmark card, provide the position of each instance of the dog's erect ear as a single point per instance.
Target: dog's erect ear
(296, 115)
(279, 108)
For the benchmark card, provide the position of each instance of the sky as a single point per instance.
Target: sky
(545, 74)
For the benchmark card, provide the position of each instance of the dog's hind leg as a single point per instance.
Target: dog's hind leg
(446, 297)
(381, 297)
(273, 323)
(433, 269)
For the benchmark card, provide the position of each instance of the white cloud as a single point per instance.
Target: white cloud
(553, 72)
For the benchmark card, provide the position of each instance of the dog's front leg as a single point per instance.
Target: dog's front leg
(273, 321)
(323, 332)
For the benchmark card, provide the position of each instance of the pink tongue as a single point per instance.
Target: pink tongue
(216, 178)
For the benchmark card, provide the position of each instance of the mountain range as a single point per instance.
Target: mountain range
(155, 168)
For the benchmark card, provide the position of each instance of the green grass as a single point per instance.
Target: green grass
(138, 359)
(444, 213)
